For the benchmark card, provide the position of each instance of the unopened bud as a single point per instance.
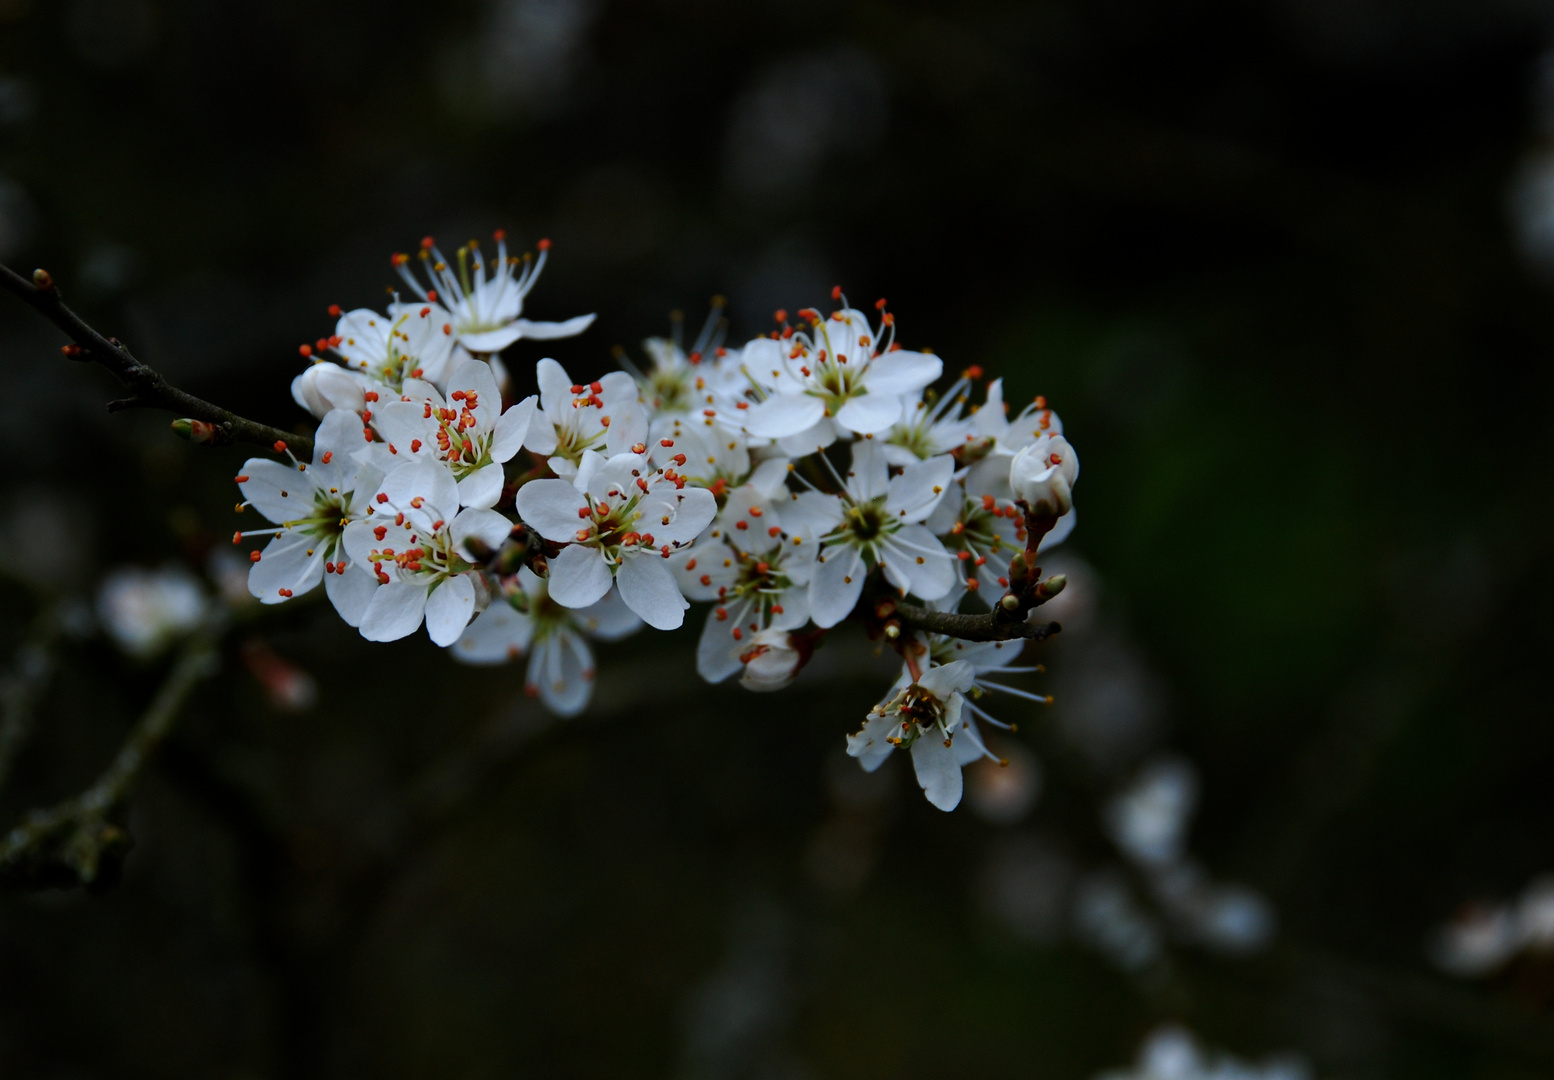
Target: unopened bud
(1019, 569)
(43, 279)
(196, 431)
(478, 548)
(1042, 476)
(1052, 586)
(773, 661)
(1009, 602)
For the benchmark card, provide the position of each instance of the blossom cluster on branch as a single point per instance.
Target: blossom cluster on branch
(810, 476)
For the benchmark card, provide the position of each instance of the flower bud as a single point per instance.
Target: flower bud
(326, 386)
(772, 661)
(1043, 474)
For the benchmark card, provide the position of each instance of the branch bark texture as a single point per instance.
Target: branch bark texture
(147, 388)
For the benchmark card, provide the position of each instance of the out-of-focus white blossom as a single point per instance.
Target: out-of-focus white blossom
(1149, 819)
(1484, 937)
(1172, 1053)
(144, 611)
(525, 620)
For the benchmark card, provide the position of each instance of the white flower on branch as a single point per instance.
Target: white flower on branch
(580, 418)
(468, 432)
(754, 567)
(311, 506)
(383, 351)
(417, 541)
(877, 521)
(527, 620)
(620, 519)
(481, 303)
(924, 718)
(839, 375)
(1042, 475)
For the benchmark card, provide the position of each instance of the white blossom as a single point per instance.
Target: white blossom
(417, 541)
(526, 620)
(312, 505)
(412, 341)
(468, 432)
(1042, 475)
(143, 611)
(922, 717)
(579, 418)
(621, 519)
(481, 304)
(771, 662)
(753, 566)
(877, 521)
(837, 376)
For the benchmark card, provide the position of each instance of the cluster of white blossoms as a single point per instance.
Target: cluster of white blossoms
(810, 476)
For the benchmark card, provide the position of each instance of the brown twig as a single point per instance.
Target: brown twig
(76, 842)
(147, 388)
(996, 625)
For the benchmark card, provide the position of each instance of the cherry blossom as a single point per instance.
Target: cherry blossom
(417, 541)
(621, 519)
(526, 620)
(312, 505)
(479, 303)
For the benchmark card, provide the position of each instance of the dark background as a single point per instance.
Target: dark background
(1275, 263)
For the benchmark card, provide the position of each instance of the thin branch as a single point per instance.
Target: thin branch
(147, 388)
(75, 842)
(23, 685)
(996, 625)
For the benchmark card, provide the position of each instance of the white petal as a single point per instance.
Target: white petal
(928, 570)
(290, 561)
(483, 487)
(871, 413)
(561, 669)
(869, 476)
(834, 590)
(555, 386)
(938, 773)
(913, 495)
(608, 620)
(404, 426)
(578, 577)
(513, 428)
(818, 436)
(475, 523)
(717, 653)
(500, 634)
(448, 609)
(550, 507)
(869, 746)
(430, 482)
(351, 592)
(649, 589)
(277, 491)
(395, 611)
(549, 331)
(784, 414)
(902, 372)
(953, 678)
(468, 373)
